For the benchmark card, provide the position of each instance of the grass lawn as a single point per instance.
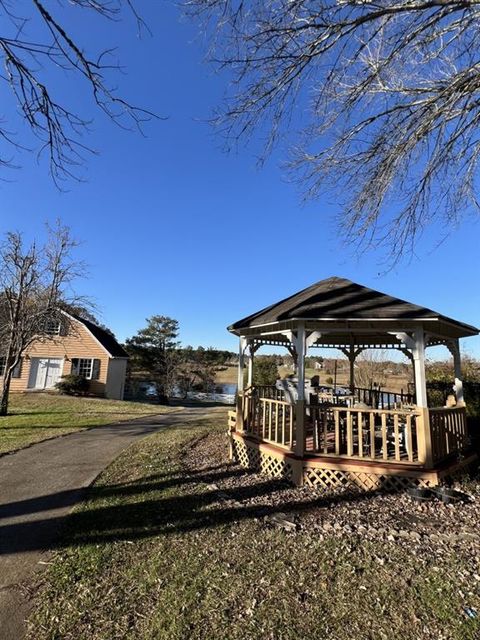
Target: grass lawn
(174, 543)
(38, 416)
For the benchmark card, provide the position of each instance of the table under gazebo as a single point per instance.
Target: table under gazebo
(368, 440)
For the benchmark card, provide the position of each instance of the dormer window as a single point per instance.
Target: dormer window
(53, 327)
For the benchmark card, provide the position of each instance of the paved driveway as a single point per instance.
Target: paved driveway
(40, 485)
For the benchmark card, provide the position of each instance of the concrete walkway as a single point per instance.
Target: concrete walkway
(43, 483)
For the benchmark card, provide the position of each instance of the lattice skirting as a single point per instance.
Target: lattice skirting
(276, 464)
(334, 478)
(251, 456)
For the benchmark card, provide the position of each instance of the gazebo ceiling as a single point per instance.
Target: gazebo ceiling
(349, 313)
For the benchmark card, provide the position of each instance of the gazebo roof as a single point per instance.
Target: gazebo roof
(341, 301)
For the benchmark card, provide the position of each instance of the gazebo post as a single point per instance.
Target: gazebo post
(423, 430)
(351, 360)
(240, 399)
(352, 354)
(454, 348)
(250, 364)
(300, 404)
(299, 344)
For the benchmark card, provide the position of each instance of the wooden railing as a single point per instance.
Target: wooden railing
(383, 398)
(269, 391)
(371, 434)
(383, 435)
(448, 429)
(270, 420)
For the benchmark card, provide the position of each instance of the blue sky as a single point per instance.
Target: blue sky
(172, 225)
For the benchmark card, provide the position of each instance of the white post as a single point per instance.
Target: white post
(457, 367)
(300, 404)
(240, 386)
(419, 369)
(241, 363)
(300, 346)
(250, 366)
(424, 436)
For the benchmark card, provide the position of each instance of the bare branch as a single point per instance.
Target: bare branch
(58, 127)
(385, 96)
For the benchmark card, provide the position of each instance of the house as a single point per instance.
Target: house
(76, 346)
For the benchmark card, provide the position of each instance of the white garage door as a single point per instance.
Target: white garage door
(45, 373)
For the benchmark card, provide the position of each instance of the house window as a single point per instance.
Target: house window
(52, 327)
(88, 368)
(17, 372)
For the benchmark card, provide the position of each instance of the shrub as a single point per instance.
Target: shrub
(329, 380)
(265, 371)
(73, 385)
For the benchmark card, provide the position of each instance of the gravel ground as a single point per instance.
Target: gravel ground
(430, 529)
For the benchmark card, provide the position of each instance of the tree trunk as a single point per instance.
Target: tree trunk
(5, 392)
(7, 377)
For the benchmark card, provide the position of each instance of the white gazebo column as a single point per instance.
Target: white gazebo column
(419, 369)
(454, 348)
(240, 385)
(423, 421)
(299, 343)
(250, 365)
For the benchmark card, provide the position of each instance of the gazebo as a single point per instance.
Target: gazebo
(366, 439)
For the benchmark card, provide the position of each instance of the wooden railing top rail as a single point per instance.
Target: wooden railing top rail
(275, 401)
(393, 412)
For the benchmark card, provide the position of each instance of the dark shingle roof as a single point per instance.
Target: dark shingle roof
(106, 339)
(341, 299)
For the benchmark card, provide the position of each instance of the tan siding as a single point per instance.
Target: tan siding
(78, 344)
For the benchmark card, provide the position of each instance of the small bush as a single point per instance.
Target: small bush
(73, 385)
(329, 380)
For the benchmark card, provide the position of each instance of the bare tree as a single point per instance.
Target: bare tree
(34, 285)
(30, 63)
(370, 368)
(384, 97)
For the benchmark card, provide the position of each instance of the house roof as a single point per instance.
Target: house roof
(105, 338)
(339, 299)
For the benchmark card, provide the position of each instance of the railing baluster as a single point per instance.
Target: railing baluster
(349, 434)
(409, 441)
(292, 433)
(325, 431)
(384, 435)
(396, 436)
(269, 421)
(336, 414)
(264, 417)
(360, 433)
(372, 436)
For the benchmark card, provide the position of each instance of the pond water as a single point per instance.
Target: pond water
(224, 393)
